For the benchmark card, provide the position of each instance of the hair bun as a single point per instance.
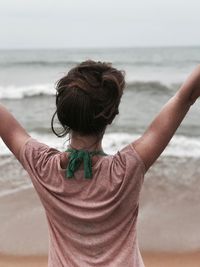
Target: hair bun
(111, 91)
(88, 97)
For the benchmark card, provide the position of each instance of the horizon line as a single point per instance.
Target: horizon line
(102, 47)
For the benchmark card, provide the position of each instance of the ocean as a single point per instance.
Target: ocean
(153, 75)
(169, 206)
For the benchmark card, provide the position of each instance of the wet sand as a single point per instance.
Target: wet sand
(161, 259)
(164, 259)
(168, 224)
(23, 261)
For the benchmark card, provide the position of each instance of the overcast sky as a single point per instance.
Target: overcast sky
(98, 23)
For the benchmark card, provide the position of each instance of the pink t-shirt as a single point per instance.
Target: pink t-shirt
(92, 223)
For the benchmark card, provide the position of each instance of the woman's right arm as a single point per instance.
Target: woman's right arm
(152, 143)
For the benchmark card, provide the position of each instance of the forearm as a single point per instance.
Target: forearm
(189, 91)
(172, 114)
(167, 121)
(174, 111)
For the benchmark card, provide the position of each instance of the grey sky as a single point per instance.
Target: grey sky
(102, 23)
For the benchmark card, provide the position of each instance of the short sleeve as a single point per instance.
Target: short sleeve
(129, 167)
(41, 162)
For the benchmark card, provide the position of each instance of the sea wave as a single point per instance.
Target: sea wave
(14, 92)
(180, 146)
(153, 86)
(160, 62)
(19, 92)
(38, 63)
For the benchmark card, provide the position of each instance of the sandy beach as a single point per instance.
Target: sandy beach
(151, 259)
(169, 217)
(23, 261)
(24, 237)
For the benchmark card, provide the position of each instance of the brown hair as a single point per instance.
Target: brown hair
(88, 97)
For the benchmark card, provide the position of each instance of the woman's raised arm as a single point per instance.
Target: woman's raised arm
(152, 143)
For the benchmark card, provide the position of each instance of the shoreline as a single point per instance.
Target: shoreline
(169, 215)
(9, 260)
(151, 259)
(169, 207)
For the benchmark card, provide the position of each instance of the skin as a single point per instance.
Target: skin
(90, 143)
(149, 146)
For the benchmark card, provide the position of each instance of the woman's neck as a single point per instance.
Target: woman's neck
(89, 142)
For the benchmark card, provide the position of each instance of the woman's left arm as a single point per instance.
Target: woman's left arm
(154, 140)
(11, 132)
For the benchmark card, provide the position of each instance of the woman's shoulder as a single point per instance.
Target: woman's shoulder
(34, 150)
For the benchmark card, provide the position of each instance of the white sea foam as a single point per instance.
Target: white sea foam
(180, 146)
(13, 92)
(20, 92)
(164, 77)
